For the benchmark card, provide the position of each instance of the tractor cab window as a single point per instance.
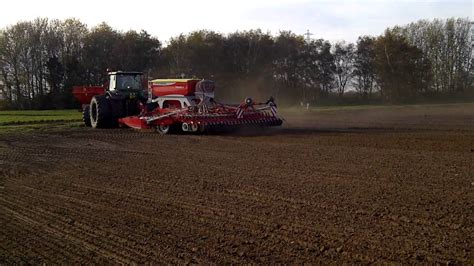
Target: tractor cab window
(112, 83)
(129, 82)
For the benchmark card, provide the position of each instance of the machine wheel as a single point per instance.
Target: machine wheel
(100, 112)
(201, 128)
(163, 129)
(86, 116)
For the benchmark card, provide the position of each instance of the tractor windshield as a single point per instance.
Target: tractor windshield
(129, 82)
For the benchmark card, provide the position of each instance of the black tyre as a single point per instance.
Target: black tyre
(100, 112)
(86, 116)
(163, 129)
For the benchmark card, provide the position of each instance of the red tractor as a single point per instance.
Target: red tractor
(164, 104)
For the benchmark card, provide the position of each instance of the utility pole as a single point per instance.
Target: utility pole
(308, 41)
(308, 36)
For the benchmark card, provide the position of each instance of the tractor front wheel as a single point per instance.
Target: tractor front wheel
(100, 112)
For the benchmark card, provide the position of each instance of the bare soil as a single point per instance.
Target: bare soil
(351, 186)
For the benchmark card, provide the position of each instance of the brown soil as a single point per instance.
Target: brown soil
(388, 185)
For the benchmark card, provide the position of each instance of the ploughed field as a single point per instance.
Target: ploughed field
(391, 184)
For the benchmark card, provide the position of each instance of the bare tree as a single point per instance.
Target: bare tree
(364, 66)
(344, 57)
(447, 46)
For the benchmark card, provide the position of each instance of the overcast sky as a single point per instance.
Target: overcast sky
(334, 20)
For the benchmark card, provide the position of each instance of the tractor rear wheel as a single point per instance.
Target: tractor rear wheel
(100, 112)
(86, 116)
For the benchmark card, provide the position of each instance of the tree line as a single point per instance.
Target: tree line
(41, 60)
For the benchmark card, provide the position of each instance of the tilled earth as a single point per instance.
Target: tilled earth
(388, 185)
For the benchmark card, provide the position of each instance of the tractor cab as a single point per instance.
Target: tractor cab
(128, 84)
